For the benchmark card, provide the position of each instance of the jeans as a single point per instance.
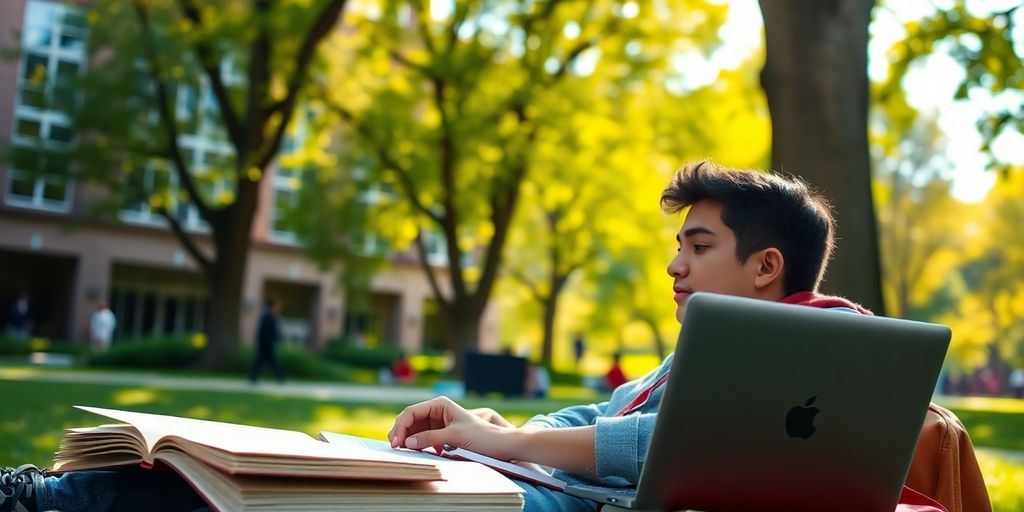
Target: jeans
(129, 488)
(537, 498)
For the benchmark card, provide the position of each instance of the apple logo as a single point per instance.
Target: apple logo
(800, 420)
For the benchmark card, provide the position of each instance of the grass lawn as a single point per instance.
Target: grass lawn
(35, 415)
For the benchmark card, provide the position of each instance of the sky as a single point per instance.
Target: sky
(929, 85)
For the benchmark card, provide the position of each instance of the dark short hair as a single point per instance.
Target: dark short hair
(763, 210)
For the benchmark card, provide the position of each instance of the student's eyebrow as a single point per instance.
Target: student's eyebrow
(697, 231)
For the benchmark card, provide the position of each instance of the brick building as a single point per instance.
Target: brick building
(66, 260)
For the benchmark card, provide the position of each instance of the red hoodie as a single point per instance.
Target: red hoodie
(817, 300)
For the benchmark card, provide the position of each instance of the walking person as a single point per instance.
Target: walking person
(101, 327)
(19, 320)
(579, 347)
(267, 335)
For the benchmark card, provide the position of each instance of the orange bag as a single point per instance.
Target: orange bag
(944, 466)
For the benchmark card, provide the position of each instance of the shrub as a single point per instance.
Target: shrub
(296, 363)
(566, 378)
(370, 358)
(12, 347)
(158, 352)
(181, 352)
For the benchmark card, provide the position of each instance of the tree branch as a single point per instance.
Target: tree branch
(404, 178)
(403, 60)
(327, 20)
(167, 117)
(186, 240)
(256, 109)
(421, 248)
(528, 283)
(211, 66)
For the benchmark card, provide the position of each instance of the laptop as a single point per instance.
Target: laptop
(774, 407)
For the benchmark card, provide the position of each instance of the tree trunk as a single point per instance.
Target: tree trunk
(659, 342)
(815, 79)
(226, 277)
(464, 321)
(550, 304)
(222, 327)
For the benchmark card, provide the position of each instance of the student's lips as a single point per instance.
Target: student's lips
(681, 295)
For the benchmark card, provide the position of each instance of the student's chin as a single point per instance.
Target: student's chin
(681, 311)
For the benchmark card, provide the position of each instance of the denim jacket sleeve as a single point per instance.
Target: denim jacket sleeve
(621, 441)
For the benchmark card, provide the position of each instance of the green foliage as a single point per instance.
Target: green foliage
(163, 74)
(297, 363)
(155, 353)
(560, 378)
(982, 40)
(12, 347)
(1004, 478)
(342, 351)
(461, 113)
(180, 353)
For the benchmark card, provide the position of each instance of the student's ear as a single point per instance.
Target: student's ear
(770, 267)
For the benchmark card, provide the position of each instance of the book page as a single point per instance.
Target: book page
(243, 439)
(228, 436)
(526, 473)
(514, 470)
(378, 446)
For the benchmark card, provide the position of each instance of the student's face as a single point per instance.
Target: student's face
(706, 261)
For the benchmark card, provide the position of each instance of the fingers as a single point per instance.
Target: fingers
(491, 416)
(431, 415)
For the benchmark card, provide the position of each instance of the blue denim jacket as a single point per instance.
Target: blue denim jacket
(621, 441)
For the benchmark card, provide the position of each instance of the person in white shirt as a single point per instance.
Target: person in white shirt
(101, 327)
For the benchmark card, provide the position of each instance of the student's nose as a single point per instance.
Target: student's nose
(677, 267)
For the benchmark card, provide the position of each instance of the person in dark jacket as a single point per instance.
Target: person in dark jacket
(267, 335)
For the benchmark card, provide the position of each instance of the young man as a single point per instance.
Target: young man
(746, 233)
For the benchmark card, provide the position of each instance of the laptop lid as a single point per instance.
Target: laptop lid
(771, 406)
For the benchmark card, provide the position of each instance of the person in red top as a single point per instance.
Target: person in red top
(615, 376)
(402, 370)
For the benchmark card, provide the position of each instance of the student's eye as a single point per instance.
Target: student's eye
(699, 248)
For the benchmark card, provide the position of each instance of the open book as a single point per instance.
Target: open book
(226, 447)
(521, 471)
(240, 467)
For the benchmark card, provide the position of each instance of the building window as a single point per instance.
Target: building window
(436, 248)
(287, 187)
(53, 41)
(289, 178)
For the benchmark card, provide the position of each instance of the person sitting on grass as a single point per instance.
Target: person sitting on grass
(746, 233)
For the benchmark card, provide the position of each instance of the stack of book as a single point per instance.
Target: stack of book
(241, 467)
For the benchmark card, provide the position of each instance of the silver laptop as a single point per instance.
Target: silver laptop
(773, 407)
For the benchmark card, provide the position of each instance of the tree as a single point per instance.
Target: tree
(169, 72)
(815, 78)
(452, 106)
(982, 40)
(583, 179)
(921, 225)
(989, 297)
